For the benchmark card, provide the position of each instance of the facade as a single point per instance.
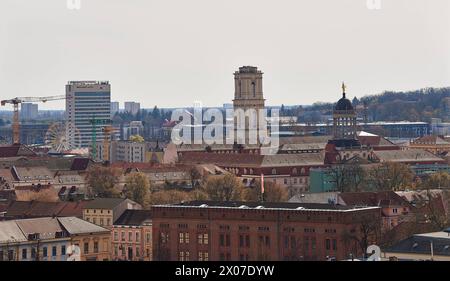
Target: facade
(94, 241)
(132, 107)
(124, 151)
(132, 129)
(131, 236)
(39, 239)
(105, 211)
(254, 231)
(88, 106)
(114, 108)
(28, 111)
(434, 144)
(248, 94)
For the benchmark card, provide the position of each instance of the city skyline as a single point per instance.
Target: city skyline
(157, 55)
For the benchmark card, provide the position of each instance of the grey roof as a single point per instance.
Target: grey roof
(10, 232)
(75, 225)
(421, 244)
(410, 155)
(134, 217)
(320, 197)
(46, 227)
(300, 159)
(266, 205)
(104, 203)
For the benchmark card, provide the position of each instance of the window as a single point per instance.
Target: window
(181, 236)
(86, 248)
(286, 241)
(268, 241)
(44, 252)
(247, 241)
(222, 240)
(200, 238)
(33, 253)
(123, 236)
(24, 254)
(11, 255)
(293, 243)
(116, 236)
(149, 237)
(95, 246)
(116, 250)
(101, 221)
(285, 181)
(327, 244)
(313, 243)
(108, 221)
(1, 255)
(241, 240)
(186, 238)
(227, 240)
(63, 250)
(274, 171)
(137, 237)
(138, 250)
(130, 236)
(205, 238)
(334, 245)
(394, 210)
(54, 251)
(164, 237)
(94, 221)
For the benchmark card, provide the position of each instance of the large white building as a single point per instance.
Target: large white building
(28, 111)
(132, 107)
(88, 107)
(123, 151)
(114, 108)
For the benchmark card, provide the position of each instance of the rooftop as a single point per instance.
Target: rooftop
(134, 217)
(266, 205)
(75, 225)
(103, 203)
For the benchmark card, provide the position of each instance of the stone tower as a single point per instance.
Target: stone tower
(344, 123)
(248, 94)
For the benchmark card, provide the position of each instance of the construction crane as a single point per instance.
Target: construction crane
(15, 102)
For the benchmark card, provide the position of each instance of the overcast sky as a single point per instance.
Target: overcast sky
(174, 52)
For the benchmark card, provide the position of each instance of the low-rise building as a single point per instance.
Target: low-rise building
(94, 241)
(427, 246)
(131, 236)
(255, 231)
(105, 211)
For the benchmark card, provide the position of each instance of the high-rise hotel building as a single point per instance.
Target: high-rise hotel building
(88, 104)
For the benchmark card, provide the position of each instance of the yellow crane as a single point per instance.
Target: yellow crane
(15, 102)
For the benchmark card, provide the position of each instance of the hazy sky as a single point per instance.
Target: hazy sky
(174, 52)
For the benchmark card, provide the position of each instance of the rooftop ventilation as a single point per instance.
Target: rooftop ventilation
(260, 207)
(243, 207)
(300, 208)
(203, 206)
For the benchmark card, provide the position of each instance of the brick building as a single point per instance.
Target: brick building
(220, 231)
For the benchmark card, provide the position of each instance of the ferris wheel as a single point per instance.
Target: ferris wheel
(57, 136)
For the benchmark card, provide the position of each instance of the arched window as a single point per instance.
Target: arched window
(245, 171)
(303, 171)
(274, 171)
(254, 88)
(294, 171)
(251, 171)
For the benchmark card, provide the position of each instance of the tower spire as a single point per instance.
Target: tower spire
(344, 87)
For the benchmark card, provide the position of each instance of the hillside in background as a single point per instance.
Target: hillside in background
(419, 105)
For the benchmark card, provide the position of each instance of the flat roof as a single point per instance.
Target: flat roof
(267, 206)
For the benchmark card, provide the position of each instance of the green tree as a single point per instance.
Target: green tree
(391, 176)
(272, 192)
(102, 181)
(223, 188)
(138, 188)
